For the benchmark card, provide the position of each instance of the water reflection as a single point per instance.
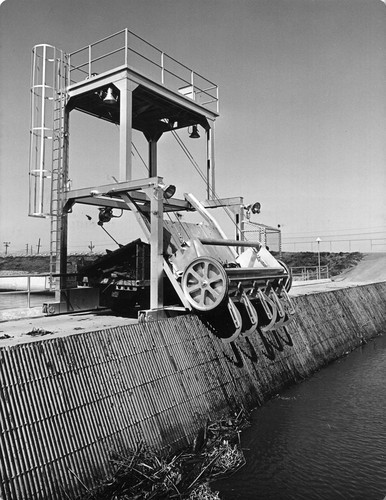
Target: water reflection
(322, 439)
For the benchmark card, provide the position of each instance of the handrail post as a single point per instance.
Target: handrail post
(162, 69)
(89, 61)
(192, 83)
(126, 46)
(69, 68)
(28, 291)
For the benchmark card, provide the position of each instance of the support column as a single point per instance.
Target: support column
(238, 210)
(210, 167)
(126, 88)
(156, 247)
(153, 136)
(153, 167)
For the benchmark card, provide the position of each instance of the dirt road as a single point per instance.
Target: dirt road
(370, 269)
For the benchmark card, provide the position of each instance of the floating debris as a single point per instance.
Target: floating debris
(228, 459)
(203, 492)
(38, 331)
(144, 474)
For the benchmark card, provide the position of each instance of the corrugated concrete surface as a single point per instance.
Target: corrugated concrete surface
(69, 403)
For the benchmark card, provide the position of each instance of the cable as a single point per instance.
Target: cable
(139, 154)
(115, 241)
(201, 173)
(336, 230)
(136, 150)
(326, 236)
(333, 241)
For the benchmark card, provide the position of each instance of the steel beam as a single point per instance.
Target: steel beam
(223, 202)
(156, 247)
(110, 195)
(211, 187)
(126, 88)
(115, 75)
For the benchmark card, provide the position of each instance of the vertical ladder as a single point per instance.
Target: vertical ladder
(48, 144)
(59, 175)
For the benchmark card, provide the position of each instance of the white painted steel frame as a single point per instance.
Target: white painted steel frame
(129, 192)
(127, 79)
(210, 91)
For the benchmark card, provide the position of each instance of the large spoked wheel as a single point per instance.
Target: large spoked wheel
(288, 282)
(205, 283)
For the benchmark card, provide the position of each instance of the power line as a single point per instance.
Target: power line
(335, 230)
(336, 235)
(6, 244)
(139, 154)
(334, 241)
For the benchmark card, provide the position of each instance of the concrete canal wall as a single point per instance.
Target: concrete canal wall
(69, 403)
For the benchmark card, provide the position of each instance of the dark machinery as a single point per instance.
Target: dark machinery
(123, 279)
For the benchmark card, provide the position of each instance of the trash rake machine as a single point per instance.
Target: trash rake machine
(233, 286)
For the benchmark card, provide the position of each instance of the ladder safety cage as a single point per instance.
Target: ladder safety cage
(48, 137)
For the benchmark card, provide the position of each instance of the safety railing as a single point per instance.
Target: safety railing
(306, 273)
(24, 290)
(128, 49)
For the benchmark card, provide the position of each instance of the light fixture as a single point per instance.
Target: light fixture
(168, 190)
(105, 215)
(194, 133)
(109, 97)
(252, 208)
(255, 209)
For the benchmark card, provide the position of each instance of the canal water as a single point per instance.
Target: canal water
(322, 439)
(20, 299)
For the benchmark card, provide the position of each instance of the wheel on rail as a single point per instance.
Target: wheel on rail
(205, 283)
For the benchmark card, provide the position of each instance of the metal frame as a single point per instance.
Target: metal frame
(127, 80)
(263, 231)
(168, 71)
(127, 195)
(81, 83)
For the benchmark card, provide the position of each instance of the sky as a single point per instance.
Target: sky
(302, 113)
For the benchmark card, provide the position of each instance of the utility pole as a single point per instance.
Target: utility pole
(6, 244)
(318, 240)
(26, 248)
(38, 247)
(280, 247)
(91, 246)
